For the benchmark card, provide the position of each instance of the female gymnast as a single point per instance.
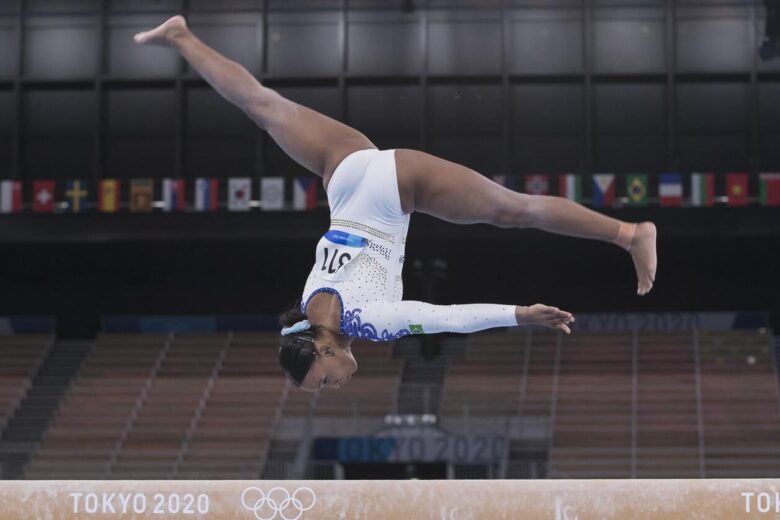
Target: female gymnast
(354, 289)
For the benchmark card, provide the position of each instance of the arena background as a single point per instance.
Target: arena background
(507, 88)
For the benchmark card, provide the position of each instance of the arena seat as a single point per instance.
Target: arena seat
(667, 436)
(487, 380)
(152, 445)
(593, 402)
(232, 434)
(741, 423)
(96, 410)
(20, 356)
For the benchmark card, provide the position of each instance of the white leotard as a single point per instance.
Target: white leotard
(361, 257)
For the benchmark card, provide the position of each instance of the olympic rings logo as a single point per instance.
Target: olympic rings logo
(276, 502)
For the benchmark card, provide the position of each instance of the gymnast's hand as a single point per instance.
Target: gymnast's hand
(544, 315)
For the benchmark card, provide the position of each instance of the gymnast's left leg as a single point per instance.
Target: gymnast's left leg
(458, 194)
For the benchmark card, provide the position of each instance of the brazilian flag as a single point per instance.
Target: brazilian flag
(636, 189)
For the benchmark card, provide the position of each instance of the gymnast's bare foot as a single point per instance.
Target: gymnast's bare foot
(164, 33)
(643, 253)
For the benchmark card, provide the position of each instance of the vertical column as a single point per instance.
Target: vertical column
(699, 408)
(344, 57)
(181, 112)
(261, 141)
(587, 63)
(775, 354)
(507, 159)
(424, 44)
(754, 137)
(634, 401)
(17, 160)
(670, 49)
(554, 400)
(98, 139)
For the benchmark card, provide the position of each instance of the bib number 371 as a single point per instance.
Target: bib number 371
(335, 251)
(334, 260)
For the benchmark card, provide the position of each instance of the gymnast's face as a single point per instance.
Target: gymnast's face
(333, 367)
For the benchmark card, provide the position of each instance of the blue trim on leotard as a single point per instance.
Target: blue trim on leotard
(350, 323)
(345, 239)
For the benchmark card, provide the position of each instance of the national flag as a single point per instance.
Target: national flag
(570, 187)
(737, 189)
(272, 193)
(239, 193)
(636, 189)
(108, 196)
(769, 189)
(206, 194)
(670, 189)
(304, 193)
(173, 194)
(76, 193)
(507, 181)
(702, 189)
(603, 190)
(10, 197)
(537, 184)
(43, 196)
(141, 195)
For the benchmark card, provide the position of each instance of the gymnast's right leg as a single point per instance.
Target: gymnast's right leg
(313, 140)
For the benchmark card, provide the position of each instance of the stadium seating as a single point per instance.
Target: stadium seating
(98, 408)
(667, 441)
(649, 405)
(592, 410)
(741, 419)
(487, 381)
(20, 356)
(152, 445)
(231, 436)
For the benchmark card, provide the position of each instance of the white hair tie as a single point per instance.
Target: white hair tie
(296, 327)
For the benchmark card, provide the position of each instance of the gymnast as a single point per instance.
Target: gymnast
(355, 289)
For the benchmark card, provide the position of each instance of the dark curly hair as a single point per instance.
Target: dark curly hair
(297, 351)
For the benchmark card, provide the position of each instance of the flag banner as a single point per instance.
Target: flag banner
(141, 195)
(239, 193)
(570, 187)
(272, 193)
(737, 189)
(507, 181)
(670, 189)
(769, 189)
(604, 190)
(304, 193)
(636, 189)
(43, 196)
(76, 193)
(537, 184)
(206, 194)
(10, 197)
(108, 196)
(702, 189)
(173, 195)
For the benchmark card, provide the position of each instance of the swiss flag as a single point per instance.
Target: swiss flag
(43, 196)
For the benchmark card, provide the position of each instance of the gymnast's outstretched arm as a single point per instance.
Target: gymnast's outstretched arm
(383, 321)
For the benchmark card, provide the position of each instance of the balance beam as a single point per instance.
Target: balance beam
(392, 499)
